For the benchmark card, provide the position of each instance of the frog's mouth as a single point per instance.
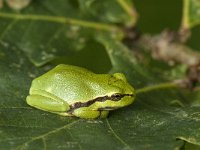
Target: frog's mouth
(114, 97)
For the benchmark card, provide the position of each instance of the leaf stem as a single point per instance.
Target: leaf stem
(129, 9)
(185, 17)
(157, 87)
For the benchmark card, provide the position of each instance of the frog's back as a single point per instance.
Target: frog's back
(70, 83)
(70, 68)
(71, 74)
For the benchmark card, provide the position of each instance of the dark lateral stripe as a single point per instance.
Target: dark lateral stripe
(114, 97)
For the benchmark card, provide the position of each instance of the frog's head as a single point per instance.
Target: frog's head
(121, 93)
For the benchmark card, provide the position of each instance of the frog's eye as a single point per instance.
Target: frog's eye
(116, 97)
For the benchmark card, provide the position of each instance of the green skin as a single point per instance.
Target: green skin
(74, 91)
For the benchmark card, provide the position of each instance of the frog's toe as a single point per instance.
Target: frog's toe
(103, 114)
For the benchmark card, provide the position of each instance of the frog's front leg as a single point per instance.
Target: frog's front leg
(87, 113)
(48, 104)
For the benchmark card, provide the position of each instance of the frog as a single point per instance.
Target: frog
(69, 90)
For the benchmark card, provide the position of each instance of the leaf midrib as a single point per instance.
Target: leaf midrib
(62, 20)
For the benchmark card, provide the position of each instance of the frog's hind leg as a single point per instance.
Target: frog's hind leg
(48, 104)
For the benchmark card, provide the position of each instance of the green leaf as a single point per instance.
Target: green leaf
(191, 13)
(189, 146)
(151, 122)
(122, 11)
(56, 32)
(162, 117)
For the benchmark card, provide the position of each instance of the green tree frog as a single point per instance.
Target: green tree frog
(74, 91)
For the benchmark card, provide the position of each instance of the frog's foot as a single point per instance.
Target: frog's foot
(103, 113)
(86, 113)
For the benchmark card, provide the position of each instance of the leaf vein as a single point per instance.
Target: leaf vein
(12, 139)
(44, 143)
(62, 20)
(46, 134)
(39, 127)
(116, 136)
(8, 28)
